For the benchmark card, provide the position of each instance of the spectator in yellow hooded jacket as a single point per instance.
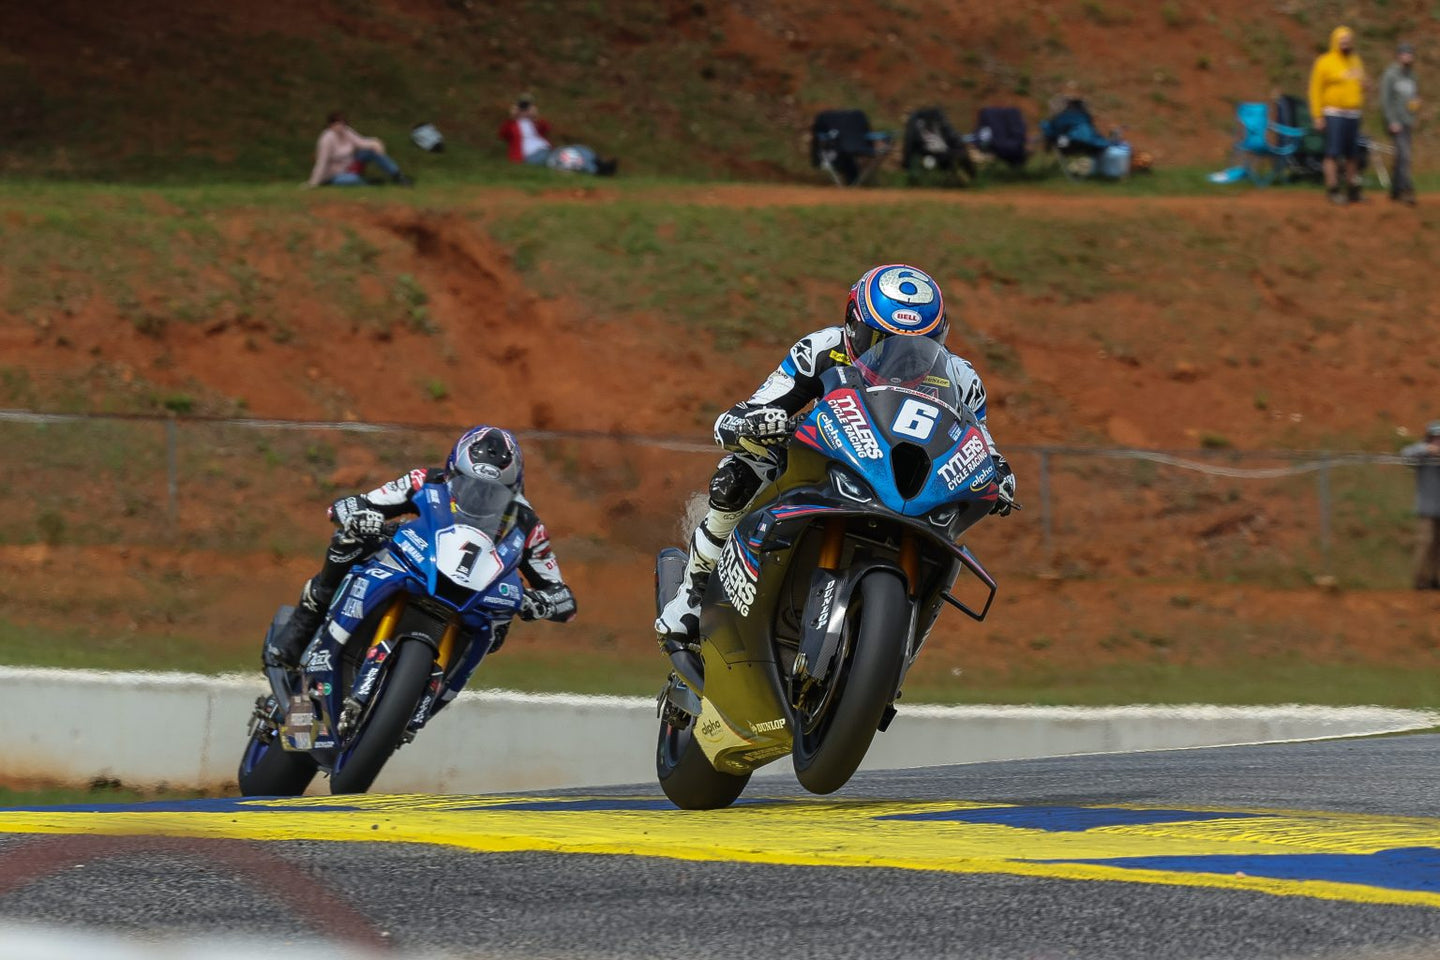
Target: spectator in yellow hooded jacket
(1337, 97)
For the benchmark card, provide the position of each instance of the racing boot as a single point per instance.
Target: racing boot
(294, 637)
(678, 628)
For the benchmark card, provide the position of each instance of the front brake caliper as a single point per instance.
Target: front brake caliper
(262, 718)
(349, 713)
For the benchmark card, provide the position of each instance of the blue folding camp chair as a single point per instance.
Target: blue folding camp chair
(1256, 157)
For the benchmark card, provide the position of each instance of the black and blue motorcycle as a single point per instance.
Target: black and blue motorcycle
(403, 634)
(824, 594)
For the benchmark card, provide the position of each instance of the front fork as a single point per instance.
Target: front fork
(367, 679)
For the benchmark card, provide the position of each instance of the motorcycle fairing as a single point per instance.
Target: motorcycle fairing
(857, 429)
(431, 556)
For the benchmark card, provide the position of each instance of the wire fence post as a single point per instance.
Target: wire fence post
(172, 471)
(1047, 532)
(1322, 490)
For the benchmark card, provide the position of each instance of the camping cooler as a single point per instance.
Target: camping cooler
(1115, 161)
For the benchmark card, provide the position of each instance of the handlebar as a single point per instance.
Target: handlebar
(389, 528)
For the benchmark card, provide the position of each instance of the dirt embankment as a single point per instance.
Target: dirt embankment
(1141, 567)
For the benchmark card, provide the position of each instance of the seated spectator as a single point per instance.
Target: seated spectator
(341, 155)
(528, 136)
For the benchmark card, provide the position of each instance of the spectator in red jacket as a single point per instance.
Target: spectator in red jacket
(528, 136)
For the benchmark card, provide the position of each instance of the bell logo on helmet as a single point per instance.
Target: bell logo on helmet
(907, 318)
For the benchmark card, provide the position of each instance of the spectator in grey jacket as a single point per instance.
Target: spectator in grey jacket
(1425, 457)
(1399, 98)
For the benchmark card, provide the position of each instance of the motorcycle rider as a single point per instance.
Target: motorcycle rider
(483, 452)
(889, 300)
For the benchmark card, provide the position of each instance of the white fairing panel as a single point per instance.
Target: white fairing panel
(467, 556)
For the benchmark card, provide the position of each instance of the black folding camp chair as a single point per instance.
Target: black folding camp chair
(934, 152)
(843, 145)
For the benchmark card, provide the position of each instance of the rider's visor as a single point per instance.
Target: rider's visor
(482, 502)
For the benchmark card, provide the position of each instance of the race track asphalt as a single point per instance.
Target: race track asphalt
(529, 903)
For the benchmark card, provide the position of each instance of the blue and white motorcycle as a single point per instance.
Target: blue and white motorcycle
(827, 589)
(403, 634)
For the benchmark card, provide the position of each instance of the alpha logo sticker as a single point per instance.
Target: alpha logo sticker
(829, 429)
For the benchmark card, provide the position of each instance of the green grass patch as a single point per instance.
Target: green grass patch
(77, 648)
(744, 275)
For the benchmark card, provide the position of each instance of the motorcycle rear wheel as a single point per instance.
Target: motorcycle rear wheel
(686, 775)
(267, 770)
(405, 681)
(829, 751)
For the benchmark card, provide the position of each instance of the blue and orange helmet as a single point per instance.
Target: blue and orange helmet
(893, 299)
(488, 453)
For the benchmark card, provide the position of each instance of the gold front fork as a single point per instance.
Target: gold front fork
(386, 628)
(910, 560)
(833, 544)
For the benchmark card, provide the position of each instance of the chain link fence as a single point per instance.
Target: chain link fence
(1277, 518)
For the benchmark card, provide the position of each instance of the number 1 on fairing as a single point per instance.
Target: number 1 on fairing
(915, 419)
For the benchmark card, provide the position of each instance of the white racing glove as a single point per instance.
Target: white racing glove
(763, 427)
(354, 516)
(552, 603)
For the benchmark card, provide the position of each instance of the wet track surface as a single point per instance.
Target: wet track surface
(1202, 853)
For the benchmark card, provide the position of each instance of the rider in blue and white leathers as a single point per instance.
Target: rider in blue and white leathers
(889, 300)
(485, 452)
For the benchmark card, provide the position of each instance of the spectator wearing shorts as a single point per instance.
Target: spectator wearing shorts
(1400, 98)
(341, 156)
(1337, 98)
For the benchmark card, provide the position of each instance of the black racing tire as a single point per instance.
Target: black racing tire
(828, 755)
(405, 680)
(686, 775)
(267, 770)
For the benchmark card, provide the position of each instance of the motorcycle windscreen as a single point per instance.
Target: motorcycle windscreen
(479, 503)
(911, 363)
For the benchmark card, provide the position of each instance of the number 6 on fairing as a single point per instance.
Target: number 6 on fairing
(916, 419)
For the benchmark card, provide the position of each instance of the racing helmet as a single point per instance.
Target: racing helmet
(893, 299)
(489, 453)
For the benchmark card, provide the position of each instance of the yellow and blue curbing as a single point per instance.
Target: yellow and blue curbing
(1352, 857)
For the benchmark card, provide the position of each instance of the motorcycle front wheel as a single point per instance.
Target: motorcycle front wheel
(267, 770)
(685, 772)
(829, 746)
(380, 733)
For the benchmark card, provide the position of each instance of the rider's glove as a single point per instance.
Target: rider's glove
(554, 603)
(765, 425)
(535, 606)
(1007, 487)
(355, 516)
(763, 428)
